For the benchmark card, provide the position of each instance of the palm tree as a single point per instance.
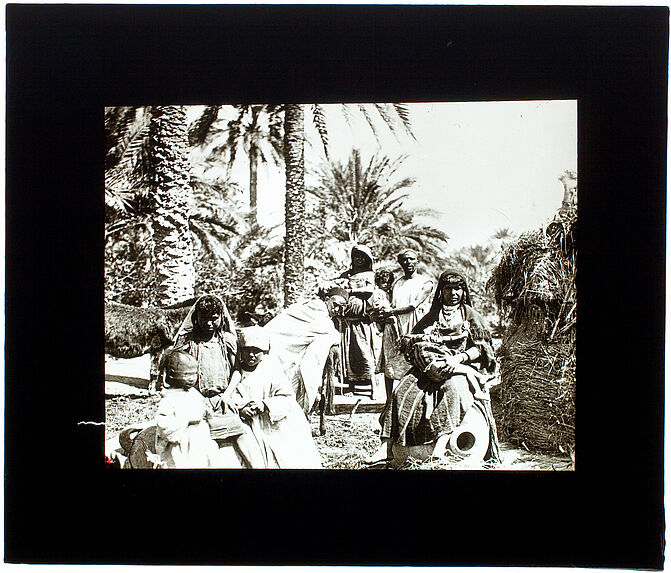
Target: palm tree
(256, 130)
(170, 171)
(395, 116)
(294, 207)
(131, 205)
(365, 204)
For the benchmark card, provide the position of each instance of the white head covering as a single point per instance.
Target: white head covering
(254, 336)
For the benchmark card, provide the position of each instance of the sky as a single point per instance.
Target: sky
(483, 166)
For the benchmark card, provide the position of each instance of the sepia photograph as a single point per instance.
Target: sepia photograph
(325, 262)
(341, 286)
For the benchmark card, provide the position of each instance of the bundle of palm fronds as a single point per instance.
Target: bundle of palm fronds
(534, 282)
(534, 287)
(534, 407)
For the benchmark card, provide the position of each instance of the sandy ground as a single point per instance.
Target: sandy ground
(349, 439)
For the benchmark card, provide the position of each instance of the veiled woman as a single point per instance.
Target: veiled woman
(208, 334)
(448, 348)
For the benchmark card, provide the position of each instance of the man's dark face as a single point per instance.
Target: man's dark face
(359, 261)
(408, 263)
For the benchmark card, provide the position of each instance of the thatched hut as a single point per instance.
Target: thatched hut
(535, 290)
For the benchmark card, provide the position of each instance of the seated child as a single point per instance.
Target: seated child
(182, 432)
(186, 426)
(266, 402)
(442, 351)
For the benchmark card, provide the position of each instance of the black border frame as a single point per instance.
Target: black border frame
(66, 62)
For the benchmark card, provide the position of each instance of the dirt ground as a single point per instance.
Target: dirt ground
(348, 440)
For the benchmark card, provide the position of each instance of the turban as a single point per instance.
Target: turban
(254, 336)
(406, 252)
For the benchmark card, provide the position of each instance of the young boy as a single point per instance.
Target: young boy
(266, 402)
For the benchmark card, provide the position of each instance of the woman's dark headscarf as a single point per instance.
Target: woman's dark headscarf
(366, 252)
(448, 277)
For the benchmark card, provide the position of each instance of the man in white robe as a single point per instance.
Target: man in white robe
(409, 300)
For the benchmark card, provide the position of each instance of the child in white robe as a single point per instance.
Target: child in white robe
(266, 402)
(182, 431)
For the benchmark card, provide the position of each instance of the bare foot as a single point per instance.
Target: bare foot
(380, 455)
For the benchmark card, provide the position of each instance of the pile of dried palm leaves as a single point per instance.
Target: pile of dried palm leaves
(534, 286)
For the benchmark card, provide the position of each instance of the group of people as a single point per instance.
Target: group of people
(225, 387)
(436, 352)
(374, 312)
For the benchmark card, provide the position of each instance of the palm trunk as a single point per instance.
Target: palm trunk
(294, 203)
(253, 168)
(173, 250)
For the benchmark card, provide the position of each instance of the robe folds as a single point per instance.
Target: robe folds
(404, 292)
(182, 431)
(282, 430)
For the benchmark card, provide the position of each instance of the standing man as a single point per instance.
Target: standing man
(410, 301)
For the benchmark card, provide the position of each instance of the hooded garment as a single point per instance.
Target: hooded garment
(300, 338)
(358, 336)
(215, 357)
(479, 333)
(364, 279)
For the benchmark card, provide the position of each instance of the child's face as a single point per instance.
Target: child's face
(384, 284)
(251, 356)
(209, 322)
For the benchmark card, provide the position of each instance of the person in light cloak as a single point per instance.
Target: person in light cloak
(266, 402)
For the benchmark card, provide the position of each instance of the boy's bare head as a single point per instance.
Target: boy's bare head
(181, 370)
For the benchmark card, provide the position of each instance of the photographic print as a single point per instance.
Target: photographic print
(331, 254)
(341, 286)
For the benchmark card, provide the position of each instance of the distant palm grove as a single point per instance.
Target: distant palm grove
(177, 224)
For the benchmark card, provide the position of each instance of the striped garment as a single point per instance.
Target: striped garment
(419, 413)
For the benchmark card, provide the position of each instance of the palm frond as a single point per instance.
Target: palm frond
(319, 119)
(388, 119)
(369, 119)
(347, 114)
(200, 128)
(403, 113)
